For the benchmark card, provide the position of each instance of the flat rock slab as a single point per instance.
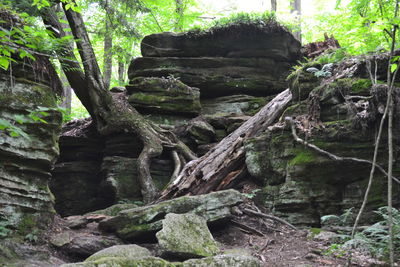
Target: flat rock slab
(83, 245)
(223, 261)
(248, 40)
(143, 222)
(164, 95)
(186, 236)
(126, 251)
(123, 262)
(217, 76)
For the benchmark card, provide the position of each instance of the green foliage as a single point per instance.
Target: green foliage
(252, 194)
(33, 236)
(336, 250)
(374, 239)
(13, 126)
(22, 36)
(359, 25)
(5, 228)
(257, 20)
(9, 127)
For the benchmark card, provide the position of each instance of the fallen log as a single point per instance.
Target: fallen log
(224, 164)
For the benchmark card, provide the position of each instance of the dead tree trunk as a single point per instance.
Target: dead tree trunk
(225, 162)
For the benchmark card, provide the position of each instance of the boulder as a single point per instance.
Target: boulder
(164, 95)
(82, 245)
(238, 105)
(126, 251)
(196, 132)
(143, 222)
(248, 41)
(223, 261)
(123, 262)
(186, 236)
(218, 76)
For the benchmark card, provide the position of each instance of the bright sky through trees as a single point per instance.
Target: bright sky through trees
(309, 7)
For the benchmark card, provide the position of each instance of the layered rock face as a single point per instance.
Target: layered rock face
(241, 59)
(207, 84)
(303, 185)
(94, 172)
(30, 125)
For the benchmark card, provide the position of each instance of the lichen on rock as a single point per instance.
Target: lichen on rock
(186, 236)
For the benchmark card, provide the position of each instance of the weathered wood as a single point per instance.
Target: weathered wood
(312, 50)
(224, 163)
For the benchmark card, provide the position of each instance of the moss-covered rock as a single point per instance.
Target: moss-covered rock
(125, 251)
(233, 104)
(123, 262)
(143, 222)
(30, 124)
(186, 236)
(223, 261)
(218, 76)
(303, 185)
(164, 95)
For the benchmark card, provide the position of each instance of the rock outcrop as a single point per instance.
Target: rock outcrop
(206, 83)
(254, 60)
(29, 127)
(340, 116)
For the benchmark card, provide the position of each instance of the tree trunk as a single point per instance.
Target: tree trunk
(273, 5)
(66, 56)
(225, 162)
(121, 72)
(66, 103)
(112, 112)
(108, 38)
(295, 8)
(179, 15)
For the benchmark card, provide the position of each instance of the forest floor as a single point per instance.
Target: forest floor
(281, 246)
(273, 243)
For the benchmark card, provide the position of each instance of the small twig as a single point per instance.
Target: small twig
(247, 228)
(271, 217)
(269, 241)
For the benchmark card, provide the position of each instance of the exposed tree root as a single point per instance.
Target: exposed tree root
(268, 216)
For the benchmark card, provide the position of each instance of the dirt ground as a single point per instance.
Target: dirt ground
(280, 246)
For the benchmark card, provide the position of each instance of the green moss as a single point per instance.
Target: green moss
(303, 157)
(314, 232)
(27, 224)
(361, 85)
(122, 261)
